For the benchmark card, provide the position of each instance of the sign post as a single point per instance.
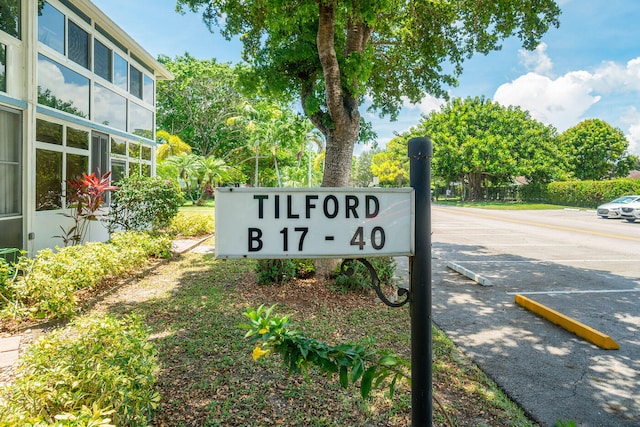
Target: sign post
(420, 153)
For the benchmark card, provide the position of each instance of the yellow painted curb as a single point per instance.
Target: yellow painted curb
(566, 322)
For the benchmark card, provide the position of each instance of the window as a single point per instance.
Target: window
(99, 152)
(48, 180)
(76, 165)
(10, 17)
(102, 61)
(148, 89)
(62, 153)
(109, 108)
(78, 40)
(140, 120)
(118, 147)
(118, 170)
(61, 88)
(48, 132)
(77, 138)
(3, 68)
(120, 71)
(51, 27)
(135, 81)
(10, 177)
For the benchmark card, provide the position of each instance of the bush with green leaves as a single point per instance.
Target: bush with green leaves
(45, 285)
(275, 271)
(191, 224)
(352, 362)
(272, 271)
(143, 203)
(590, 194)
(360, 280)
(99, 370)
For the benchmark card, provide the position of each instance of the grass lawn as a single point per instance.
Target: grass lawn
(501, 205)
(208, 377)
(208, 207)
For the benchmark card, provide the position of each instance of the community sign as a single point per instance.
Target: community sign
(271, 223)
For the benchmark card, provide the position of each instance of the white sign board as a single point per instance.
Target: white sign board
(314, 222)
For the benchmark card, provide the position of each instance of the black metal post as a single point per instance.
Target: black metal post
(420, 153)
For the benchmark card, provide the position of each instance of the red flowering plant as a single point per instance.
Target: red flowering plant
(85, 196)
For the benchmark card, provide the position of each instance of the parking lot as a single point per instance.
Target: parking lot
(569, 260)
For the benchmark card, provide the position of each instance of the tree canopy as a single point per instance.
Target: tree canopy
(332, 53)
(596, 150)
(197, 103)
(480, 142)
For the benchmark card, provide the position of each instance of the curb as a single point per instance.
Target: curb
(481, 280)
(580, 329)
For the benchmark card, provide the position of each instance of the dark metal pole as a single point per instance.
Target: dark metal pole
(420, 153)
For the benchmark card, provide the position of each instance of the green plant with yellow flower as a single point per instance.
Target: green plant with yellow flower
(353, 363)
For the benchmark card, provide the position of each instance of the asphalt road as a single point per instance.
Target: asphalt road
(573, 262)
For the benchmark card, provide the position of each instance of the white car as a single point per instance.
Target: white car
(631, 211)
(612, 209)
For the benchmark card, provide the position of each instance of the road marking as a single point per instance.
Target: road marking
(593, 291)
(580, 329)
(537, 224)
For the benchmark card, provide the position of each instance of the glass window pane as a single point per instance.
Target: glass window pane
(3, 68)
(51, 27)
(76, 165)
(134, 150)
(77, 138)
(118, 170)
(135, 81)
(118, 147)
(78, 45)
(61, 88)
(48, 180)
(148, 89)
(109, 108)
(120, 71)
(10, 17)
(145, 169)
(140, 121)
(134, 169)
(102, 60)
(145, 153)
(48, 132)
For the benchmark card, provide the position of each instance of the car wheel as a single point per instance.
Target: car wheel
(631, 219)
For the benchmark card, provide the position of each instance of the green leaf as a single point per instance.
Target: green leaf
(344, 377)
(367, 379)
(357, 370)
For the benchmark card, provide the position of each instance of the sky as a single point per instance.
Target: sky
(588, 68)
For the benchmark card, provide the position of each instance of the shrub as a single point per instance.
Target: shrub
(272, 271)
(46, 285)
(590, 194)
(143, 203)
(360, 280)
(96, 368)
(304, 267)
(191, 225)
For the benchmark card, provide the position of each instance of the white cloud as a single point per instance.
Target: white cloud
(560, 102)
(426, 105)
(632, 120)
(537, 61)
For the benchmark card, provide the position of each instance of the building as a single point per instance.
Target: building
(77, 94)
